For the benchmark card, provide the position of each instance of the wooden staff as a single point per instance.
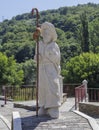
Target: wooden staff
(37, 39)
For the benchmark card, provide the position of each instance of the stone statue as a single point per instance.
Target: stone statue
(49, 71)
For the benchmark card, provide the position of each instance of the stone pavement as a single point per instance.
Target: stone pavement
(67, 121)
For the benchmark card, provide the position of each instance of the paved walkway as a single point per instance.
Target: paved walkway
(67, 121)
(4, 122)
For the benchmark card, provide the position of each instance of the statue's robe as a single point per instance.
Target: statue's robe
(49, 73)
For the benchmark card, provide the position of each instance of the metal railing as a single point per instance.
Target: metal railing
(80, 95)
(69, 88)
(19, 93)
(28, 92)
(93, 94)
(83, 95)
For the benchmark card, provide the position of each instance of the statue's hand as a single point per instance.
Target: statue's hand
(37, 33)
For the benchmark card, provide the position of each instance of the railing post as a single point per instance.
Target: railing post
(5, 98)
(82, 94)
(76, 98)
(85, 82)
(61, 88)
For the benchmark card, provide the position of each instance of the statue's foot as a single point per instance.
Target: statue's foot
(53, 112)
(41, 111)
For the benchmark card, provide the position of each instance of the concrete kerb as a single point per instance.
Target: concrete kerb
(91, 120)
(16, 121)
(29, 105)
(8, 124)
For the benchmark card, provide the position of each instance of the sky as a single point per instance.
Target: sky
(11, 8)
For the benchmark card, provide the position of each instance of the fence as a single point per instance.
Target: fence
(82, 93)
(28, 92)
(19, 93)
(70, 89)
(93, 94)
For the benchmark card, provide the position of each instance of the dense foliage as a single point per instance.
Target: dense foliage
(78, 31)
(10, 71)
(81, 67)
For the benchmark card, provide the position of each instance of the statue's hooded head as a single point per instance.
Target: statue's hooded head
(48, 32)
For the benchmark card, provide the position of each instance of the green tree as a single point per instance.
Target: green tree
(10, 72)
(94, 36)
(29, 68)
(16, 34)
(84, 32)
(25, 51)
(84, 66)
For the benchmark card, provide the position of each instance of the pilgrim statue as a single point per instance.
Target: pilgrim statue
(49, 71)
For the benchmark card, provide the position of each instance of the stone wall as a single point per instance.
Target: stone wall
(89, 108)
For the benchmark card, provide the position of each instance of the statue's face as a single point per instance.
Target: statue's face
(46, 34)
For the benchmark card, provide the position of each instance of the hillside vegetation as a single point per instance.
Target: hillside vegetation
(78, 32)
